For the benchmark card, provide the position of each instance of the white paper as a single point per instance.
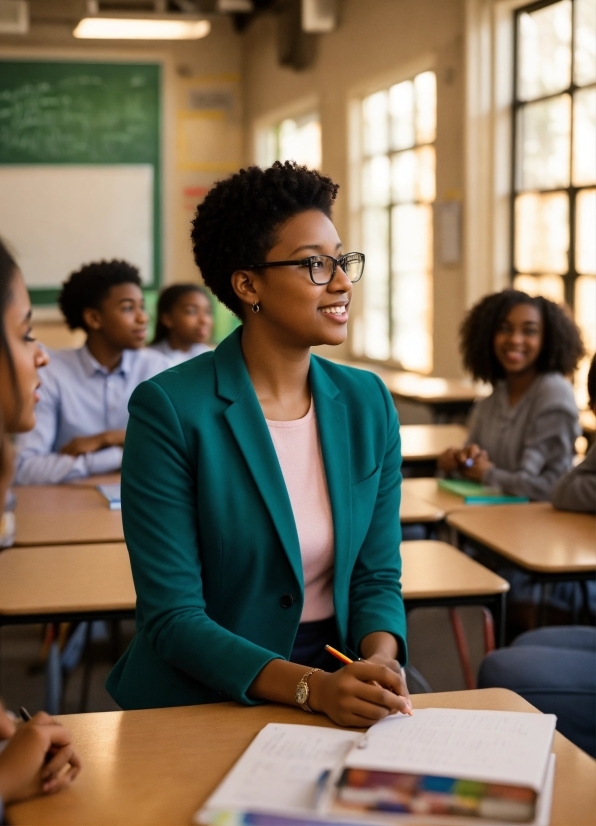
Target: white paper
(280, 769)
(493, 746)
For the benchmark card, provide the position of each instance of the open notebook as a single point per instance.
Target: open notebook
(453, 760)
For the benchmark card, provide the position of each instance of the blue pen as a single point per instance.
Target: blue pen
(469, 462)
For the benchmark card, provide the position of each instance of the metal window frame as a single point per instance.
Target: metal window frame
(391, 153)
(571, 275)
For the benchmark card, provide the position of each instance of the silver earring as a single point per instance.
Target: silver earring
(256, 307)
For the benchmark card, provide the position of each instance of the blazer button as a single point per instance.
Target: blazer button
(286, 601)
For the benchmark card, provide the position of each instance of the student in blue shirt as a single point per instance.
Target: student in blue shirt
(82, 412)
(184, 322)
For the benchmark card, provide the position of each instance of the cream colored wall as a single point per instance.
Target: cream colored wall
(375, 39)
(217, 54)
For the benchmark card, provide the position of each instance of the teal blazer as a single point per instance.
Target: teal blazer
(211, 533)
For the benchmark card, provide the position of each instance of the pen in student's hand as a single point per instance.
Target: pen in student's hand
(469, 462)
(25, 716)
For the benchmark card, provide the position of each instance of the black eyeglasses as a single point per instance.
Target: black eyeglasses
(322, 268)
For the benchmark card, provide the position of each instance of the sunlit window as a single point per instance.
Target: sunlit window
(293, 139)
(397, 169)
(554, 210)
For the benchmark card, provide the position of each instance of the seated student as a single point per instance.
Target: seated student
(522, 436)
(576, 491)
(184, 322)
(555, 670)
(82, 412)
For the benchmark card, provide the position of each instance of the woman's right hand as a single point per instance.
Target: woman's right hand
(24, 771)
(358, 694)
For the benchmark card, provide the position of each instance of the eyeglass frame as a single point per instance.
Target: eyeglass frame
(308, 262)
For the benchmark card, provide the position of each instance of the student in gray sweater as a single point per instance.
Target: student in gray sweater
(522, 436)
(576, 491)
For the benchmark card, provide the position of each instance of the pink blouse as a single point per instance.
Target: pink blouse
(299, 453)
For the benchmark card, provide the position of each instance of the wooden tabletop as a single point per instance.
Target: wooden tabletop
(94, 481)
(534, 535)
(415, 510)
(64, 514)
(429, 491)
(63, 579)
(436, 570)
(157, 767)
(425, 442)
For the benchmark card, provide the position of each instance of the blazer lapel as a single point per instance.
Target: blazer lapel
(247, 423)
(332, 421)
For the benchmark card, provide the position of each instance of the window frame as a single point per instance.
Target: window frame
(517, 105)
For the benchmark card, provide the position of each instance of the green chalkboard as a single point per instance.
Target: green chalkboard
(66, 112)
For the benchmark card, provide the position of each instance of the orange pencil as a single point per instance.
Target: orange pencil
(338, 655)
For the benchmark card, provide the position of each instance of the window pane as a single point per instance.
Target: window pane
(425, 88)
(375, 117)
(585, 309)
(585, 250)
(584, 137)
(412, 237)
(585, 42)
(413, 175)
(300, 141)
(375, 232)
(542, 233)
(544, 134)
(375, 181)
(550, 286)
(544, 50)
(412, 313)
(401, 106)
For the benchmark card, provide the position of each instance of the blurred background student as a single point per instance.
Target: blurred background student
(83, 408)
(522, 437)
(184, 322)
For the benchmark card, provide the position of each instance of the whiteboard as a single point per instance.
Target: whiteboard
(58, 217)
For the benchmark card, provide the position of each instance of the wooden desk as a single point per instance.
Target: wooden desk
(428, 490)
(64, 514)
(534, 536)
(94, 481)
(415, 510)
(426, 442)
(65, 582)
(157, 767)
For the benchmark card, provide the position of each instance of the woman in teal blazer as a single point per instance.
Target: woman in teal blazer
(213, 542)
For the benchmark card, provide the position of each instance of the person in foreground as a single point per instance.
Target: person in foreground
(82, 413)
(261, 484)
(184, 322)
(522, 437)
(38, 757)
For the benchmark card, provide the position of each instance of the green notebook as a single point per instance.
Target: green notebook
(473, 493)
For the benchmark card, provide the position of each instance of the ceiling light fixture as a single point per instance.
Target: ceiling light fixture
(138, 28)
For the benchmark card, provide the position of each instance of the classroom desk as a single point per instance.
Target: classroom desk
(426, 442)
(533, 536)
(414, 510)
(428, 490)
(64, 514)
(156, 767)
(437, 574)
(94, 481)
(65, 583)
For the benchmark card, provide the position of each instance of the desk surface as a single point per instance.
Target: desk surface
(414, 510)
(64, 514)
(436, 570)
(46, 581)
(535, 535)
(425, 442)
(94, 481)
(429, 491)
(157, 767)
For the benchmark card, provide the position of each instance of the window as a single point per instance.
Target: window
(554, 169)
(295, 139)
(397, 190)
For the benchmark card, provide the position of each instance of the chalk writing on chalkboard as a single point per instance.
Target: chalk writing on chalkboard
(78, 113)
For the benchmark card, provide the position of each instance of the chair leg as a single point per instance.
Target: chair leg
(462, 647)
(489, 630)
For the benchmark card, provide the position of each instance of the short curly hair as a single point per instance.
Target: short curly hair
(562, 346)
(236, 224)
(89, 286)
